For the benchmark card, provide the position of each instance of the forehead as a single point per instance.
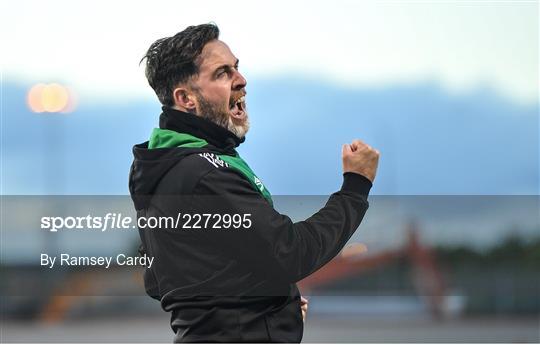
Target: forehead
(215, 54)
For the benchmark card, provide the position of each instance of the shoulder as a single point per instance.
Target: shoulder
(185, 175)
(211, 158)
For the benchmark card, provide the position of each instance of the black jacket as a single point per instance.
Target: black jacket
(230, 285)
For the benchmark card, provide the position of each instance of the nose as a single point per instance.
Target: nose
(239, 81)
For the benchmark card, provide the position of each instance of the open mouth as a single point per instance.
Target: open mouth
(238, 108)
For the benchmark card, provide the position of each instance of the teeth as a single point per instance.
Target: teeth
(239, 100)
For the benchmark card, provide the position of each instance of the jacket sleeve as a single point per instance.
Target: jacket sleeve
(273, 242)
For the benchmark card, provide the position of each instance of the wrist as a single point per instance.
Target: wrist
(354, 182)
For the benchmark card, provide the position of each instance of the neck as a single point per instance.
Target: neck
(184, 122)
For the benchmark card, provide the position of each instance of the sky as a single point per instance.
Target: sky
(446, 90)
(95, 46)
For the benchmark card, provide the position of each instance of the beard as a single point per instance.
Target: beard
(220, 115)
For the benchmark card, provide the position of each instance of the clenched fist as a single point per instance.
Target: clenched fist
(360, 158)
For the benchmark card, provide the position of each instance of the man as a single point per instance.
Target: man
(227, 270)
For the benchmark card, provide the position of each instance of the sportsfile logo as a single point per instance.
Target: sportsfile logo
(214, 160)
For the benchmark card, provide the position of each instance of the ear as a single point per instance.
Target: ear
(184, 99)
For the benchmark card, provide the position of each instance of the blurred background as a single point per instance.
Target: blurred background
(447, 91)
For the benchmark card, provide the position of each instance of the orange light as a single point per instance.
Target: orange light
(54, 98)
(51, 98)
(33, 98)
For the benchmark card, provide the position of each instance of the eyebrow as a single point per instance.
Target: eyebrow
(225, 67)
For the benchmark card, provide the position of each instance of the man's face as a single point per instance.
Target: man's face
(220, 89)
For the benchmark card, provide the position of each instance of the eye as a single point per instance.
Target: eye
(222, 73)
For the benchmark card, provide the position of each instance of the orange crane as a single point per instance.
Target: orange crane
(426, 276)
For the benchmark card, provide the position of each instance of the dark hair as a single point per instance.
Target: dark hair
(173, 60)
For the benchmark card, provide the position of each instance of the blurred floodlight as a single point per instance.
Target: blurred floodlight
(51, 98)
(54, 98)
(34, 98)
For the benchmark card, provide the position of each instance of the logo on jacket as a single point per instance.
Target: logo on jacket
(214, 160)
(258, 183)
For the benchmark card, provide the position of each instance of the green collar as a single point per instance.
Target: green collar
(164, 138)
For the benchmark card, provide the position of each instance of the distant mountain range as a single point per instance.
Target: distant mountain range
(431, 142)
